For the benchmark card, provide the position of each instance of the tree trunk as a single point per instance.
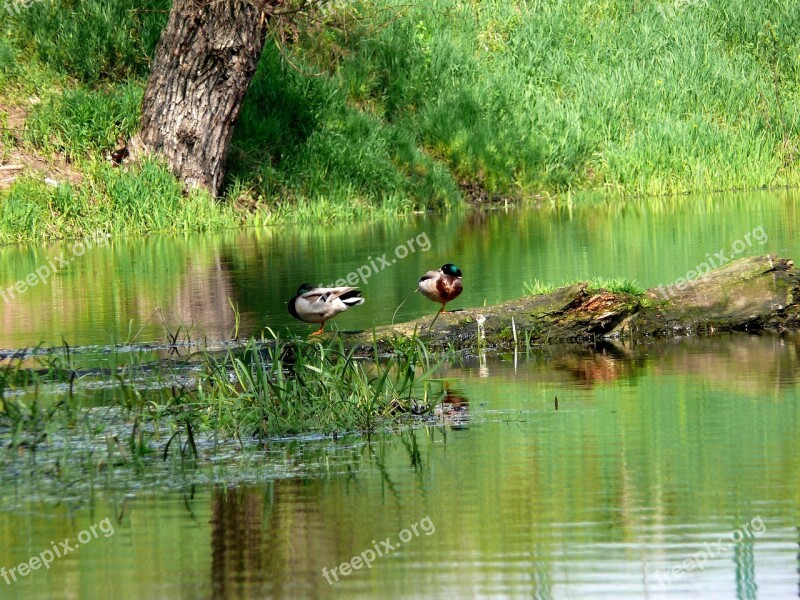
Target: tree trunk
(202, 67)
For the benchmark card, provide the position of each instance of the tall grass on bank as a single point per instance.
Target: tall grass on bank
(146, 198)
(637, 97)
(90, 40)
(140, 200)
(83, 123)
(388, 106)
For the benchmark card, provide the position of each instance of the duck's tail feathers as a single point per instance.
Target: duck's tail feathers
(352, 298)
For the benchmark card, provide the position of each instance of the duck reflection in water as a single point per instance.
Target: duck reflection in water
(453, 410)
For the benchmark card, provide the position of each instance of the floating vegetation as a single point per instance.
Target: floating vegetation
(73, 416)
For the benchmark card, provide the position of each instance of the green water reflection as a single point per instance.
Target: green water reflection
(654, 452)
(131, 290)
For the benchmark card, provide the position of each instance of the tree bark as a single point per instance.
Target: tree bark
(202, 67)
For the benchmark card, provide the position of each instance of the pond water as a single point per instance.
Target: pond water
(662, 470)
(131, 290)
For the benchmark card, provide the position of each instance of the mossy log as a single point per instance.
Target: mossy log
(750, 294)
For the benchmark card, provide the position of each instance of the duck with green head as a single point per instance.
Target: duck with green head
(317, 305)
(442, 285)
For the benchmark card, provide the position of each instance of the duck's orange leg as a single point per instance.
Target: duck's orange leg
(318, 331)
(441, 310)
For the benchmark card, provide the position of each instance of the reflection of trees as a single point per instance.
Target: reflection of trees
(743, 363)
(237, 540)
(271, 540)
(745, 569)
(605, 363)
(202, 297)
(747, 364)
(107, 294)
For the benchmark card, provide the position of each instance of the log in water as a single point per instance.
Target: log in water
(750, 294)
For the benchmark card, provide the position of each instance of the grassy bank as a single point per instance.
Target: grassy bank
(389, 107)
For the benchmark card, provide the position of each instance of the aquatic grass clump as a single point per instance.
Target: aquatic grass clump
(75, 420)
(262, 389)
(617, 285)
(300, 386)
(537, 287)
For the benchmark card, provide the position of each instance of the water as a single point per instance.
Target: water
(665, 470)
(132, 290)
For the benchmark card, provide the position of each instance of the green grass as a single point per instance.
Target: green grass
(390, 105)
(90, 40)
(299, 386)
(87, 410)
(616, 285)
(84, 123)
(140, 200)
(537, 287)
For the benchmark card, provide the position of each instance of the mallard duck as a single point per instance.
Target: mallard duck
(442, 286)
(317, 305)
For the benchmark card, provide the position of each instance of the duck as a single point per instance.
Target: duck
(442, 285)
(319, 304)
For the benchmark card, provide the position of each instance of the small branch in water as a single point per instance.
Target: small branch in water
(514, 331)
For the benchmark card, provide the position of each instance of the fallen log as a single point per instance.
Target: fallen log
(750, 294)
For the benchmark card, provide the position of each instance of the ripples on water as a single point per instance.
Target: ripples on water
(650, 455)
(654, 454)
